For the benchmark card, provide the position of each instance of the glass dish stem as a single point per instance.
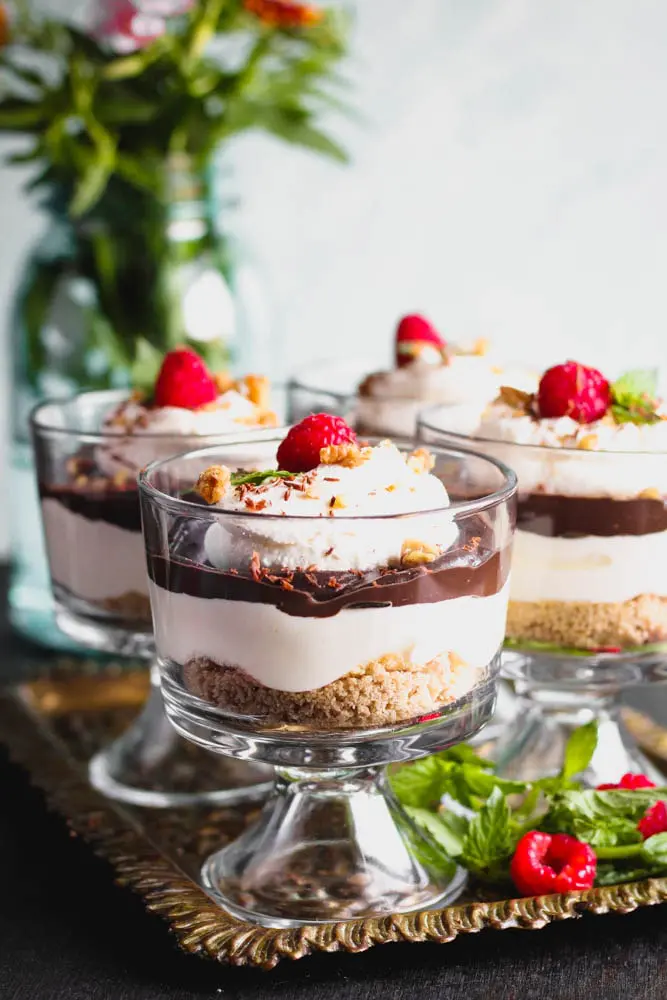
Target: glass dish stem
(534, 744)
(151, 765)
(329, 845)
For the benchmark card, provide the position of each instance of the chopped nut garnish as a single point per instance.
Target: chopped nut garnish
(650, 493)
(516, 398)
(223, 382)
(213, 482)
(588, 442)
(415, 552)
(421, 460)
(347, 455)
(256, 388)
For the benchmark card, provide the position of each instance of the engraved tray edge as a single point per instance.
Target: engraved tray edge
(202, 928)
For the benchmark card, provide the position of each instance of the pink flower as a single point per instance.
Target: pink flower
(125, 28)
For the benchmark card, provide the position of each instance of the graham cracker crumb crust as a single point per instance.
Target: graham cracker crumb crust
(379, 693)
(589, 625)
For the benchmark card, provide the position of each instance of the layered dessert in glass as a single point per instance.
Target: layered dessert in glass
(591, 458)
(588, 599)
(89, 452)
(341, 609)
(325, 597)
(428, 370)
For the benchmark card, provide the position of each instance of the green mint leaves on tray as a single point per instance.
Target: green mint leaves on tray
(476, 818)
(633, 398)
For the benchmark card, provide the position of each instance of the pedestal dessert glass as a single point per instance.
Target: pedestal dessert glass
(588, 596)
(328, 674)
(92, 524)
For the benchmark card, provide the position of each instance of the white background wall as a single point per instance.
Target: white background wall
(508, 179)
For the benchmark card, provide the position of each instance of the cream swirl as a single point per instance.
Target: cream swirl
(335, 517)
(143, 434)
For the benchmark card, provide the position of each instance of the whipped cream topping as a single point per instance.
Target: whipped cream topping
(390, 402)
(503, 423)
(333, 516)
(597, 459)
(146, 433)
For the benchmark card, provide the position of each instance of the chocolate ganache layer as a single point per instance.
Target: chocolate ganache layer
(557, 516)
(99, 501)
(468, 569)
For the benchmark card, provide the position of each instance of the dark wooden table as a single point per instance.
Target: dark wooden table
(67, 933)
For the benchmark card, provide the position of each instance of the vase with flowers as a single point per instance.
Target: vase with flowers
(124, 118)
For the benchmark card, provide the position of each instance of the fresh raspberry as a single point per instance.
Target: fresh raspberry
(545, 863)
(654, 820)
(573, 390)
(415, 337)
(184, 381)
(630, 782)
(300, 450)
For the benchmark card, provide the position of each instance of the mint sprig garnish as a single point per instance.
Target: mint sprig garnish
(633, 397)
(256, 478)
(476, 818)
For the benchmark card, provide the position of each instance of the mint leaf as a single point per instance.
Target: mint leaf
(609, 813)
(654, 850)
(422, 784)
(255, 478)
(579, 750)
(633, 397)
(635, 383)
(446, 828)
(614, 872)
(490, 838)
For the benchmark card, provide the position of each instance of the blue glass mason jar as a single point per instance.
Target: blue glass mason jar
(99, 301)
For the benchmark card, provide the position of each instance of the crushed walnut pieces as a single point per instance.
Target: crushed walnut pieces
(348, 455)
(213, 482)
(516, 399)
(588, 442)
(415, 552)
(420, 460)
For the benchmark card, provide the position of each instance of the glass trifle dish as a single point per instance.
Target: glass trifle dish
(336, 612)
(427, 370)
(588, 601)
(89, 451)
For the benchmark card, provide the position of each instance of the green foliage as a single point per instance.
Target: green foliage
(96, 116)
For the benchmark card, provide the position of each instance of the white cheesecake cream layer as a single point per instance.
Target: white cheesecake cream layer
(289, 653)
(94, 560)
(597, 569)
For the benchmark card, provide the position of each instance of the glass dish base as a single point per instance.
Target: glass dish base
(150, 765)
(329, 846)
(557, 694)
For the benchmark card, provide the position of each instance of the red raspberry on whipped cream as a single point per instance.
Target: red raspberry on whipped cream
(184, 381)
(573, 390)
(300, 451)
(417, 338)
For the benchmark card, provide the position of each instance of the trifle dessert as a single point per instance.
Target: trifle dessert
(338, 610)
(89, 452)
(429, 370)
(342, 588)
(590, 557)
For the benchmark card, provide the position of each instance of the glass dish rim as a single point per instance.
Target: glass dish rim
(117, 395)
(459, 508)
(422, 424)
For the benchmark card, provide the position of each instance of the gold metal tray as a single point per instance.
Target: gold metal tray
(52, 725)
